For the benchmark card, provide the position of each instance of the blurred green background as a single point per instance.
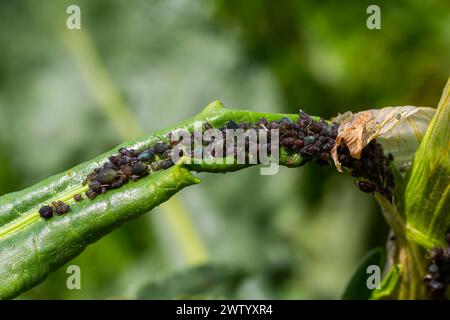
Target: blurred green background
(136, 66)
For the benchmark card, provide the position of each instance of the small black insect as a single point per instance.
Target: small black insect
(232, 125)
(160, 148)
(46, 212)
(119, 182)
(127, 170)
(125, 160)
(124, 151)
(139, 169)
(146, 155)
(167, 154)
(287, 142)
(365, 186)
(309, 151)
(286, 121)
(299, 143)
(438, 277)
(95, 185)
(77, 197)
(325, 156)
(166, 164)
(114, 160)
(61, 207)
(91, 194)
(107, 176)
(309, 140)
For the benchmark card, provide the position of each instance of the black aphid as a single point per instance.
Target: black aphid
(95, 185)
(61, 207)
(373, 167)
(232, 125)
(119, 182)
(438, 277)
(127, 170)
(166, 164)
(285, 120)
(115, 160)
(160, 148)
(366, 187)
(309, 140)
(107, 176)
(146, 155)
(46, 212)
(91, 194)
(125, 160)
(139, 169)
(77, 197)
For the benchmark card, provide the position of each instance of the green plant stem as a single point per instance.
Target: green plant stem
(31, 248)
(409, 255)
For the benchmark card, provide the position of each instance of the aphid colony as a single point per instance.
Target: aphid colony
(58, 207)
(438, 277)
(312, 140)
(373, 167)
(128, 164)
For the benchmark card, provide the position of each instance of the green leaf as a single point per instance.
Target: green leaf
(357, 287)
(31, 248)
(427, 195)
(31, 253)
(206, 281)
(388, 285)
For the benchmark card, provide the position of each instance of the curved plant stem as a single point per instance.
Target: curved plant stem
(31, 248)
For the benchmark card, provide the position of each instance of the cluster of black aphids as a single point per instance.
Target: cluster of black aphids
(128, 164)
(314, 140)
(311, 139)
(438, 277)
(57, 207)
(373, 167)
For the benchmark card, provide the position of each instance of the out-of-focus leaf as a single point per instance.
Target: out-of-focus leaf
(388, 286)
(400, 129)
(206, 281)
(427, 195)
(357, 287)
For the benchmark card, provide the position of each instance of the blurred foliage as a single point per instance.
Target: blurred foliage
(203, 282)
(294, 234)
